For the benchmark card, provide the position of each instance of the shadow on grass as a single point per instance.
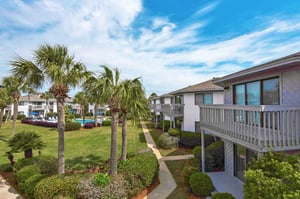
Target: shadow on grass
(81, 162)
(142, 137)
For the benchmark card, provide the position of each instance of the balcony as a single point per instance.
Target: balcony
(261, 128)
(173, 110)
(156, 107)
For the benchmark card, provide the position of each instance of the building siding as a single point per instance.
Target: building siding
(228, 153)
(191, 112)
(290, 94)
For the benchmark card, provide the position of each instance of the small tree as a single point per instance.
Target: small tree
(26, 141)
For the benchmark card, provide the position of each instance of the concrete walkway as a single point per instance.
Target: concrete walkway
(167, 182)
(6, 191)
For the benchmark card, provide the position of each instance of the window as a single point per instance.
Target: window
(263, 92)
(203, 98)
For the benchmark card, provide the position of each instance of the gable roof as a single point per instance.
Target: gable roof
(200, 87)
(289, 61)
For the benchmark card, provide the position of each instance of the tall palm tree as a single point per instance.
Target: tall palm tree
(5, 100)
(52, 64)
(132, 100)
(46, 95)
(14, 87)
(82, 99)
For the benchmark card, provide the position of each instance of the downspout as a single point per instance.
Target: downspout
(202, 152)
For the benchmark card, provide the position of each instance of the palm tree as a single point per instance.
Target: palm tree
(46, 95)
(52, 64)
(82, 99)
(4, 101)
(14, 85)
(132, 101)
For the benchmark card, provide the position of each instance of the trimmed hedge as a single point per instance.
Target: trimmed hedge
(30, 184)
(57, 186)
(191, 139)
(106, 122)
(23, 174)
(47, 164)
(187, 171)
(39, 123)
(140, 171)
(174, 132)
(72, 126)
(214, 156)
(201, 184)
(222, 196)
(165, 125)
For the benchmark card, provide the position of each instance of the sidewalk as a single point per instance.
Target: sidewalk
(6, 191)
(167, 182)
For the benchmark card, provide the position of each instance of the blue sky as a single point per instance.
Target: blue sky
(169, 43)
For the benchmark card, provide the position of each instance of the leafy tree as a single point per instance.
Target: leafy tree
(26, 141)
(54, 65)
(273, 176)
(5, 100)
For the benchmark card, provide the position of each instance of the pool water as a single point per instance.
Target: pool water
(85, 121)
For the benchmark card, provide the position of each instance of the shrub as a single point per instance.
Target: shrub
(201, 184)
(47, 164)
(167, 142)
(72, 126)
(23, 174)
(165, 125)
(191, 139)
(222, 196)
(214, 156)
(174, 132)
(57, 187)
(20, 117)
(30, 184)
(117, 188)
(187, 171)
(140, 171)
(77, 115)
(106, 122)
(197, 153)
(89, 125)
(101, 179)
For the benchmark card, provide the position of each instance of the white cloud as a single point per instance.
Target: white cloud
(166, 55)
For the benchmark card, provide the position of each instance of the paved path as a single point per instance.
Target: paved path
(6, 191)
(167, 182)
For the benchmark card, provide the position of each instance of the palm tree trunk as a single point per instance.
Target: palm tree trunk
(28, 153)
(96, 113)
(15, 114)
(83, 114)
(124, 136)
(1, 116)
(114, 144)
(61, 131)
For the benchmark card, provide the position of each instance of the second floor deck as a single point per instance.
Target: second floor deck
(261, 128)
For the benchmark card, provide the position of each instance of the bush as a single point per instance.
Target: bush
(117, 188)
(197, 153)
(47, 164)
(23, 174)
(106, 122)
(165, 125)
(174, 132)
(101, 179)
(140, 171)
(77, 115)
(30, 184)
(214, 156)
(187, 171)
(57, 186)
(89, 125)
(20, 117)
(191, 139)
(167, 142)
(201, 184)
(72, 126)
(222, 196)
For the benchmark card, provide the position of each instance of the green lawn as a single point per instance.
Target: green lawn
(83, 147)
(155, 133)
(175, 167)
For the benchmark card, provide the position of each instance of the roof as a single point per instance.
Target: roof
(33, 98)
(281, 63)
(200, 87)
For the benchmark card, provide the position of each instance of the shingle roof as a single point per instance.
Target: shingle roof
(200, 87)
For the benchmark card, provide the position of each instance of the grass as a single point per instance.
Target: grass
(155, 133)
(176, 167)
(82, 147)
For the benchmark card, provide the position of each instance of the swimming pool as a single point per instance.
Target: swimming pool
(88, 121)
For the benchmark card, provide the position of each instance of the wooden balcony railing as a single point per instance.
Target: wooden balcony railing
(261, 128)
(174, 110)
(156, 107)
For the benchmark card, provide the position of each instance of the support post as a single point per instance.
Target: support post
(202, 152)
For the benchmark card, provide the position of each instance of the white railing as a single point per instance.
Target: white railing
(156, 107)
(259, 127)
(173, 109)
